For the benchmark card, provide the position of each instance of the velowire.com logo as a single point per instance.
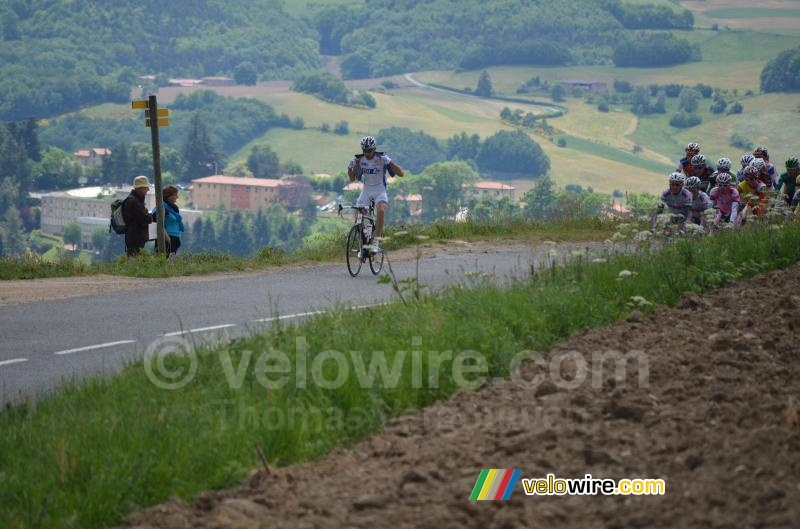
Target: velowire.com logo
(495, 484)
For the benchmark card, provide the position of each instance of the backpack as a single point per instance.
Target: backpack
(117, 220)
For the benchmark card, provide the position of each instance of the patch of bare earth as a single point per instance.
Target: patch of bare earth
(718, 422)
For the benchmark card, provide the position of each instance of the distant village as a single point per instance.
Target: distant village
(90, 207)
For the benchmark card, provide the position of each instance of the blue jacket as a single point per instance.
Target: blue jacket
(173, 223)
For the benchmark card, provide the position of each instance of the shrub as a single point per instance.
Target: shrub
(685, 120)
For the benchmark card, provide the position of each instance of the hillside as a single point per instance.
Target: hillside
(58, 55)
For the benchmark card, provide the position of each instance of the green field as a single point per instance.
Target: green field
(606, 151)
(752, 12)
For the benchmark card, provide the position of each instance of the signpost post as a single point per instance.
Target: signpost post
(155, 118)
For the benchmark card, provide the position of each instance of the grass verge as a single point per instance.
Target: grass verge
(90, 453)
(324, 247)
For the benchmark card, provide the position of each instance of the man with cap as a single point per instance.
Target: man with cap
(136, 217)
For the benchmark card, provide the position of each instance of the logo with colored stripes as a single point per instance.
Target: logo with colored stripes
(495, 484)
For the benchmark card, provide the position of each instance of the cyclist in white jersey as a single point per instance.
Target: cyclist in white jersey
(371, 168)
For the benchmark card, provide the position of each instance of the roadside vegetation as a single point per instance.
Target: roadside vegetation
(61, 456)
(323, 247)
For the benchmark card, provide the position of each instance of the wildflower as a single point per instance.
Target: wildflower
(692, 228)
(550, 243)
(639, 301)
(618, 237)
(422, 237)
(625, 273)
(643, 236)
(400, 233)
(553, 253)
(599, 260)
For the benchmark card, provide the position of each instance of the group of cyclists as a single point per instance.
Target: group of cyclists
(696, 187)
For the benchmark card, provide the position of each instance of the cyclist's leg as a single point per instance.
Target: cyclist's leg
(381, 205)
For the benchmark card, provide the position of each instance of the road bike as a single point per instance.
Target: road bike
(358, 238)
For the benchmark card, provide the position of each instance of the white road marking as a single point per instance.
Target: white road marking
(90, 347)
(12, 361)
(312, 313)
(201, 329)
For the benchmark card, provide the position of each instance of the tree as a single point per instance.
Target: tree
(463, 147)
(512, 152)
(198, 152)
(719, 106)
(735, 108)
(239, 168)
(117, 167)
(98, 238)
(557, 92)
(342, 128)
(72, 234)
(782, 74)
(442, 185)
(661, 103)
(540, 201)
(641, 101)
(484, 88)
(14, 239)
(263, 162)
(245, 73)
(688, 100)
(413, 150)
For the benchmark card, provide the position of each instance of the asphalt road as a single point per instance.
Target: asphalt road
(46, 342)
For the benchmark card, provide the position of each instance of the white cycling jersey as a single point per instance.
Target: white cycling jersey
(373, 170)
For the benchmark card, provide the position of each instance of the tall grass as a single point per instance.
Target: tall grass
(90, 453)
(326, 247)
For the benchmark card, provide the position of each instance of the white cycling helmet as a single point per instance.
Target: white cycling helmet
(724, 164)
(693, 147)
(759, 164)
(698, 160)
(751, 171)
(693, 183)
(747, 159)
(677, 178)
(724, 179)
(367, 143)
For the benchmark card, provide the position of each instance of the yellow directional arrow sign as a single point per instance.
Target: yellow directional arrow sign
(139, 104)
(162, 113)
(162, 122)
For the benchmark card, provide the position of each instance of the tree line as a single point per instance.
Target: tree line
(59, 55)
(470, 34)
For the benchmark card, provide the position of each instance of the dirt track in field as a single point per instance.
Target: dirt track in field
(718, 423)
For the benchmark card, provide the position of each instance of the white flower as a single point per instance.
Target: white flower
(691, 227)
(775, 227)
(400, 233)
(643, 236)
(550, 243)
(578, 253)
(640, 301)
(423, 237)
(553, 253)
(598, 260)
(625, 273)
(618, 237)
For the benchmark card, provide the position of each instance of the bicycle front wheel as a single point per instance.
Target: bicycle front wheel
(354, 249)
(376, 262)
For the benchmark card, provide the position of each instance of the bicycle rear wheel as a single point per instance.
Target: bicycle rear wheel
(376, 262)
(354, 249)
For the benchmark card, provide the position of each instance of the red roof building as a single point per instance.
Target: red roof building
(251, 194)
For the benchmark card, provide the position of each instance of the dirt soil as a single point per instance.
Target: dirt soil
(718, 423)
